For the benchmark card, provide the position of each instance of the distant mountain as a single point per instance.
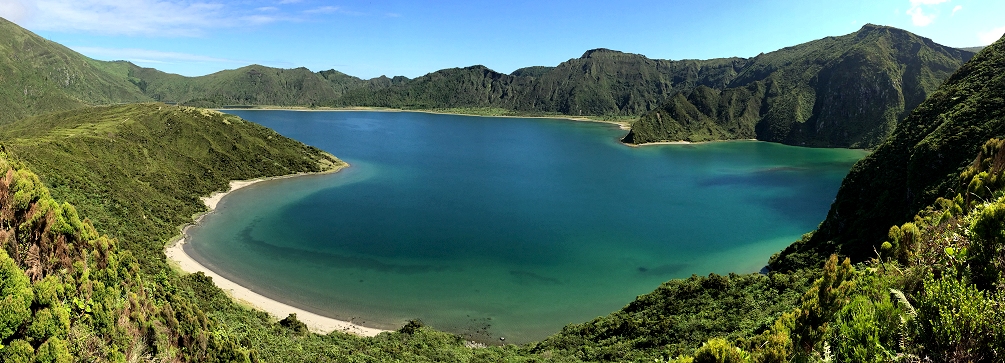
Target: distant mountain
(974, 49)
(919, 163)
(38, 76)
(847, 91)
(251, 85)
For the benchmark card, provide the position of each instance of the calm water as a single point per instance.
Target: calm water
(509, 227)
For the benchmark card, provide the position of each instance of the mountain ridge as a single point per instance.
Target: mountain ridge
(810, 94)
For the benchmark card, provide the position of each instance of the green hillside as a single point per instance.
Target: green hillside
(84, 275)
(919, 163)
(38, 76)
(847, 91)
(251, 85)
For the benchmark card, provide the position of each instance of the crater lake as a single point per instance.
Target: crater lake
(495, 227)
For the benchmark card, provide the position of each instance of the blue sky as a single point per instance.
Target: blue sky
(411, 38)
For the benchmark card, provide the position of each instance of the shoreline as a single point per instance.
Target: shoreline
(623, 125)
(682, 142)
(178, 258)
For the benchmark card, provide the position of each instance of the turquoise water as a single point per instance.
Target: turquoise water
(511, 227)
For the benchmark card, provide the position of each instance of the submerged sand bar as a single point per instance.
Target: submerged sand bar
(316, 323)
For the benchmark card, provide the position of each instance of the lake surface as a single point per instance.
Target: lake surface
(505, 227)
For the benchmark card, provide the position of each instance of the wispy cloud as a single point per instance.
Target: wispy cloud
(323, 10)
(921, 11)
(136, 17)
(166, 18)
(13, 10)
(150, 56)
(991, 36)
(957, 8)
(331, 10)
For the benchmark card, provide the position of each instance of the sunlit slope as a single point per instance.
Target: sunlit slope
(39, 76)
(138, 170)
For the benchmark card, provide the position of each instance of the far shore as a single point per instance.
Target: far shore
(316, 323)
(624, 125)
(684, 142)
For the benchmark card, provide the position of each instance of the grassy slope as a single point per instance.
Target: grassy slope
(846, 91)
(920, 162)
(251, 85)
(138, 170)
(38, 76)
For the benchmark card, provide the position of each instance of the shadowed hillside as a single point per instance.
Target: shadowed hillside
(920, 162)
(847, 91)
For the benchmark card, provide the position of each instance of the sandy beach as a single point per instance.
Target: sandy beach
(316, 323)
(684, 142)
(621, 124)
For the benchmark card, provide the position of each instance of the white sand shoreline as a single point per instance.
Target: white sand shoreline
(685, 142)
(316, 323)
(623, 125)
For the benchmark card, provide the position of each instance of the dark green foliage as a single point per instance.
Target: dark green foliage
(411, 327)
(846, 91)
(290, 322)
(680, 315)
(17, 351)
(919, 163)
(959, 322)
(15, 297)
(986, 255)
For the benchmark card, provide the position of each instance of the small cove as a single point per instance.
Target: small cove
(510, 227)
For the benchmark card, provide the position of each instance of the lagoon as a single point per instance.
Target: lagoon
(505, 227)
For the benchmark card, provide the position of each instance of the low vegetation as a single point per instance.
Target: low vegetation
(907, 267)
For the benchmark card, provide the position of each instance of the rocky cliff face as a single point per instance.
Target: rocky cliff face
(847, 91)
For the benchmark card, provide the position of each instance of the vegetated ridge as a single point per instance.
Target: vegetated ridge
(38, 76)
(70, 292)
(846, 91)
(919, 163)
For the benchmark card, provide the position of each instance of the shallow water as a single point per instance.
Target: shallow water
(509, 227)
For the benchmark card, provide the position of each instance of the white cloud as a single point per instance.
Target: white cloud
(149, 56)
(919, 18)
(323, 10)
(135, 17)
(957, 8)
(13, 10)
(920, 11)
(991, 36)
(168, 18)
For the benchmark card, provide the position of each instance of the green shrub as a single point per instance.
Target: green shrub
(957, 321)
(15, 297)
(718, 350)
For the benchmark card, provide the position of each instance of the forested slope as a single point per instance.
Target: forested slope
(919, 163)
